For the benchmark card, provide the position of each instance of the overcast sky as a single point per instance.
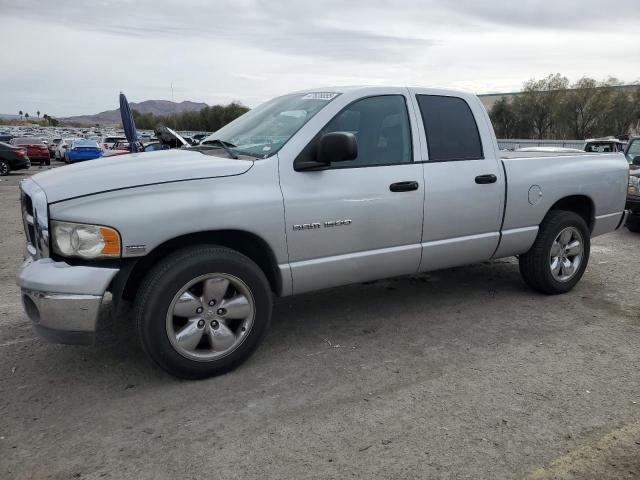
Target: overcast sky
(65, 59)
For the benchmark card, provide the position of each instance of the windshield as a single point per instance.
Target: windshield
(634, 150)
(263, 131)
(85, 143)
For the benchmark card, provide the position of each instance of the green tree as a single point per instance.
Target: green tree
(504, 119)
(537, 106)
(38, 112)
(20, 113)
(583, 107)
(209, 119)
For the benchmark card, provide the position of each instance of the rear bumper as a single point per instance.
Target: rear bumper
(62, 301)
(20, 164)
(80, 158)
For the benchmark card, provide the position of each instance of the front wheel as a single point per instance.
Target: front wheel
(559, 256)
(202, 311)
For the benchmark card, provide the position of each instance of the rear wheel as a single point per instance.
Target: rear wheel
(5, 168)
(202, 311)
(559, 256)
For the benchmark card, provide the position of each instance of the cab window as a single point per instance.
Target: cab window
(382, 129)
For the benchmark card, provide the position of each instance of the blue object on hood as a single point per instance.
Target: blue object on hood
(128, 124)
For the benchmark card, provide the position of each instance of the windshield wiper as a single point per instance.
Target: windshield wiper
(224, 145)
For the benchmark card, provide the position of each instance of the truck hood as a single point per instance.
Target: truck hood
(135, 170)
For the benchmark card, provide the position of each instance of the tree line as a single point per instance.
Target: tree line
(46, 121)
(209, 119)
(554, 108)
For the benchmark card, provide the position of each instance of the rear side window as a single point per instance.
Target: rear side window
(451, 129)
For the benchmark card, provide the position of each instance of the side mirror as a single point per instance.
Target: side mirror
(636, 161)
(329, 148)
(337, 147)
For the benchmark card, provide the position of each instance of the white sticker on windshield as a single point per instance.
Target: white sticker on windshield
(320, 96)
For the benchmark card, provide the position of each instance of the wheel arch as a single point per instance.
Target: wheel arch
(256, 248)
(579, 204)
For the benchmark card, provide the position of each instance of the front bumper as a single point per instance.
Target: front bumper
(62, 301)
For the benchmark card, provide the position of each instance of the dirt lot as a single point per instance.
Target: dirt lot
(463, 373)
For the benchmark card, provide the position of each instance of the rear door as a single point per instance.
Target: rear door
(464, 180)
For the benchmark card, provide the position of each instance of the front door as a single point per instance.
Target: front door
(358, 220)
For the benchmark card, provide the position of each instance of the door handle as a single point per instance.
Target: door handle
(403, 186)
(483, 179)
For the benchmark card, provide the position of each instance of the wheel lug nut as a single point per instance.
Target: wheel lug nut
(214, 324)
(212, 303)
(200, 323)
(199, 310)
(243, 329)
(221, 311)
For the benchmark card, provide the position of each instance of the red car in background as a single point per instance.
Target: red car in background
(118, 148)
(37, 150)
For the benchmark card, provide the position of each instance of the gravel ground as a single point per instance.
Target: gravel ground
(463, 373)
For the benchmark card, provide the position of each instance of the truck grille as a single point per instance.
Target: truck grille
(28, 222)
(35, 219)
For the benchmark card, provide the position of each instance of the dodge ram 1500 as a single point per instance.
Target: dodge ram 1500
(310, 190)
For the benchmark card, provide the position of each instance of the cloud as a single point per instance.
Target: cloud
(69, 57)
(283, 28)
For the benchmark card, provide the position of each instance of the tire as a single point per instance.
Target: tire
(5, 168)
(536, 266)
(159, 294)
(633, 226)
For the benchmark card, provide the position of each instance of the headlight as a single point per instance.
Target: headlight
(84, 241)
(634, 185)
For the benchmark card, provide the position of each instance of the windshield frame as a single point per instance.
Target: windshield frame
(237, 150)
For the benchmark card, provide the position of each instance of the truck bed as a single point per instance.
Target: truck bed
(537, 180)
(516, 155)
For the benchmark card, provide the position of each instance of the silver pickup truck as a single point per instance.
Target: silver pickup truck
(310, 190)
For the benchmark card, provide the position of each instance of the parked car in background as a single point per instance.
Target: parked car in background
(82, 149)
(6, 138)
(12, 158)
(190, 140)
(37, 150)
(120, 145)
(107, 142)
(632, 153)
(52, 145)
(61, 148)
(604, 145)
(308, 191)
(199, 136)
(153, 146)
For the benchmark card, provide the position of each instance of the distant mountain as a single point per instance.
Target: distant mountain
(157, 107)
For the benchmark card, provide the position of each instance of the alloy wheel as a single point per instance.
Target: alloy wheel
(210, 316)
(566, 254)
